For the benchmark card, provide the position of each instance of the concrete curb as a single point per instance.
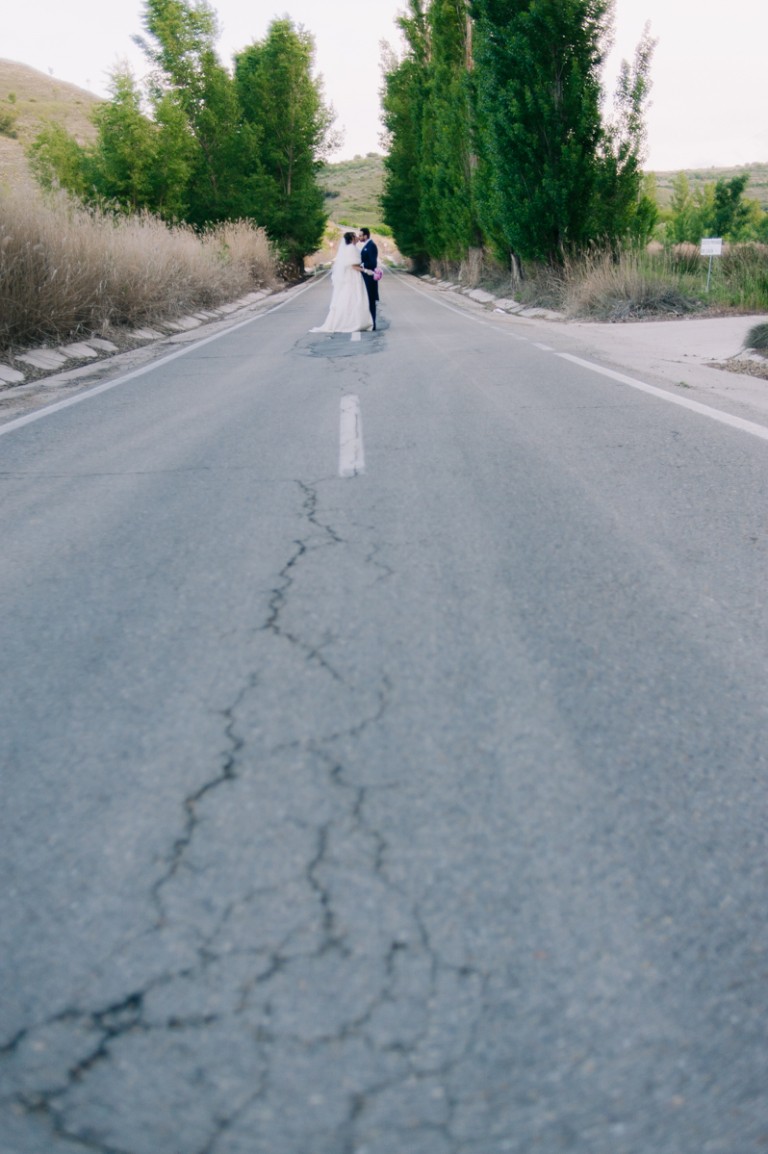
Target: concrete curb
(51, 359)
(491, 301)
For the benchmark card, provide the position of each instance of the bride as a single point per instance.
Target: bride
(349, 311)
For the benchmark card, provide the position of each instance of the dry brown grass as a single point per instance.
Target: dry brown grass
(641, 283)
(67, 271)
(667, 283)
(631, 287)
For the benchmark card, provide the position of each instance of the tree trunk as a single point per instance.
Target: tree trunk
(516, 269)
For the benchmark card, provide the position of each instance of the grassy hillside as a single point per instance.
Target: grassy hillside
(353, 191)
(32, 98)
(28, 100)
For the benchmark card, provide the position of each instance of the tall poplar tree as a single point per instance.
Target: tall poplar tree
(282, 102)
(138, 162)
(539, 118)
(180, 44)
(215, 146)
(623, 210)
(403, 99)
(447, 134)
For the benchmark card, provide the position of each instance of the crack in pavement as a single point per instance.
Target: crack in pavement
(108, 1024)
(113, 1024)
(279, 597)
(327, 956)
(276, 606)
(226, 776)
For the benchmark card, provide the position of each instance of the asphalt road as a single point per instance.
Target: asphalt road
(384, 750)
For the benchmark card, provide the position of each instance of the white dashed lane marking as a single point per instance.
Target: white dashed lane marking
(351, 455)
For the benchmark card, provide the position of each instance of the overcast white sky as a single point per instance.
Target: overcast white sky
(709, 102)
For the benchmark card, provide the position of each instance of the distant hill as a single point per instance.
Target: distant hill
(28, 101)
(757, 189)
(33, 98)
(353, 191)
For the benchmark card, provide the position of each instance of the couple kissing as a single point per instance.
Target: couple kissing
(355, 287)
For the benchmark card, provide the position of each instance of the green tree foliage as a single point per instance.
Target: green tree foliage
(138, 162)
(57, 160)
(428, 114)
(447, 131)
(188, 77)
(403, 100)
(122, 160)
(201, 145)
(623, 208)
(731, 212)
(283, 108)
(539, 96)
(135, 164)
(682, 225)
(497, 134)
(718, 208)
(757, 226)
(172, 161)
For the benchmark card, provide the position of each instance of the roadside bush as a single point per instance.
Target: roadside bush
(757, 338)
(66, 270)
(8, 123)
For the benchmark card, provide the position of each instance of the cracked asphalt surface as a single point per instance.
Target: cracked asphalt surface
(418, 812)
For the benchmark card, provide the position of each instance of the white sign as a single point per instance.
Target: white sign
(712, 246)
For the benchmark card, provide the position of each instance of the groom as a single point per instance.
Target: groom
(368, 259)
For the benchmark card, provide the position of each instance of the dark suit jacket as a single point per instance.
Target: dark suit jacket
(369, 258)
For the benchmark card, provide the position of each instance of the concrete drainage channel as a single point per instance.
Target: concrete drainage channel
(51, 359)
(26, 375)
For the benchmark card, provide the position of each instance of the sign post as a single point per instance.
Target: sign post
(711, 246)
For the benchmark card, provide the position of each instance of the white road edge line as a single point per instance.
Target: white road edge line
(29, 418)
(739, 423)
(694, 406)
(351, 455)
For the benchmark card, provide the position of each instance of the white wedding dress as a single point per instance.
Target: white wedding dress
(349, 311)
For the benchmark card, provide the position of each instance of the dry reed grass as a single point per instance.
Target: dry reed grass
(634, 285)
(640, 284)
(66, 271)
